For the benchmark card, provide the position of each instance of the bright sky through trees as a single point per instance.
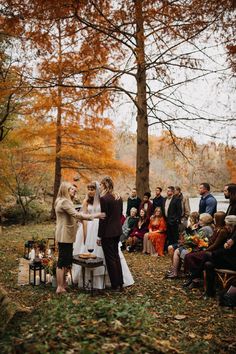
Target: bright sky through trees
(212, 96)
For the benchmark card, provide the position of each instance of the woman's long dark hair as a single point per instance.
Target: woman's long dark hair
(219, 219)
(145, 215)
(90, 199)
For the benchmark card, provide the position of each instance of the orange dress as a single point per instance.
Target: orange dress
(157, 238)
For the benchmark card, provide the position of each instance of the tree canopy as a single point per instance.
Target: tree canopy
(82, 59)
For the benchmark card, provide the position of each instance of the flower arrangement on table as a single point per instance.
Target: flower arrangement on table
(50, 265)
(197, 242)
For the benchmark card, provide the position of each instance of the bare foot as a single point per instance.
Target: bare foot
(60, 290)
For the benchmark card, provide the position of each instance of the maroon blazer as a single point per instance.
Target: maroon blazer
(149, 209)
(111, 226)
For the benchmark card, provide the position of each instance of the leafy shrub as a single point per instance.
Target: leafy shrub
(36, 211)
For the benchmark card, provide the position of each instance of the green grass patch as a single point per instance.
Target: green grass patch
(155, 315)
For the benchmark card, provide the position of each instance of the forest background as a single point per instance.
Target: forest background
(167, 167)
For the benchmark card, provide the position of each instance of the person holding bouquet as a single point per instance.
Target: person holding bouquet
(192, 243)
(194, 262)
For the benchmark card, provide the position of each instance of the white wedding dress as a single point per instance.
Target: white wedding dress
(91, 240)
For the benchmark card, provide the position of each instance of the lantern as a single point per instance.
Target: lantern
(29, 245)
(37, 274)
(50, 245)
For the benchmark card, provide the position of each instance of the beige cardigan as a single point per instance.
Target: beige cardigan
(67, 218)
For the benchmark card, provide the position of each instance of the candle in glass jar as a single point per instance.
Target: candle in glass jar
(48, 278)
(37, 280)
(32, 255)
(31, 278)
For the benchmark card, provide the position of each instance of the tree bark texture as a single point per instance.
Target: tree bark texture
(142, 161)
(57, 176)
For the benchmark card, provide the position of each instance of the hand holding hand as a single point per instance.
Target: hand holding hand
(99, 215)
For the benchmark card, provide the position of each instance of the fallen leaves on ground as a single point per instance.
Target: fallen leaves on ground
(155, 315)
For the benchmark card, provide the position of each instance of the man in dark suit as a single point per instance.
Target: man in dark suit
(110, 230)
(173, 211)
(158, 200)
(230, 193)
(133, 202)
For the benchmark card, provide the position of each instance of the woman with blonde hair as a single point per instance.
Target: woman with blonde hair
(206, 229)
(192, 227)
(194, 262)
(66, 227)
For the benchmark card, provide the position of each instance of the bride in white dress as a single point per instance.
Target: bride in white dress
(86, 238)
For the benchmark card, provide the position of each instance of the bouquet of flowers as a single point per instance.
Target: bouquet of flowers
(197, 242)
(50, 265)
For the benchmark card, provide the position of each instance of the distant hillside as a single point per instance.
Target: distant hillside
(180, 162)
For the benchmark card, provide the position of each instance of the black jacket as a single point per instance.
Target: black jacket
(158, 202)
(110, 226)
(231, 209)
(174, 210)
(132, 203)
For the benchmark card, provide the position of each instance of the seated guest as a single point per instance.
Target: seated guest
(129, 224)
(194, 262)
(138, 231)
(193, 222)
(224, 258)
(146, 204)
(206, 230)
(154, 239)
(133, 201)
(192, 227)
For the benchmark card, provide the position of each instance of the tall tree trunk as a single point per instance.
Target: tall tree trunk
(142, 161)
(57, 176)
(0, 220)
(24, 209)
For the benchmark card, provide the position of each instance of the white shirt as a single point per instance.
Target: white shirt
(167, 204)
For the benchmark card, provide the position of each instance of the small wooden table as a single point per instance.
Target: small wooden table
(90, 263)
